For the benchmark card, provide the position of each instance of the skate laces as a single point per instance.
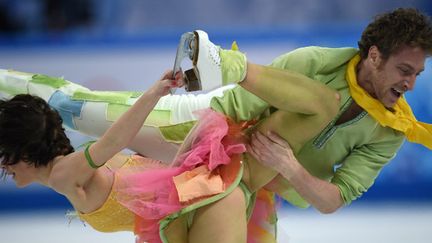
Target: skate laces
(213, 53)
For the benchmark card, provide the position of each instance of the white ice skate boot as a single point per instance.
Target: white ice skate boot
(206, 62)
(212, 66)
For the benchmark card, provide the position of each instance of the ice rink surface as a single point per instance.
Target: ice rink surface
(383, 223)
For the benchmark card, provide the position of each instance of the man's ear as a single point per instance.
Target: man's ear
(374, 56)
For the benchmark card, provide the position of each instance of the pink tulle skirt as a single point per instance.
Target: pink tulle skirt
(203, 169)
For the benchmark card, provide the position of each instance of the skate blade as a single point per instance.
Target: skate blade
(186, 48)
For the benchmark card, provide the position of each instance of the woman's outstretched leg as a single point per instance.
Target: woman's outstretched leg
(91, 112)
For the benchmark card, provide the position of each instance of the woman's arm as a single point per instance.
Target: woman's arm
(119, 135)
(76, 171)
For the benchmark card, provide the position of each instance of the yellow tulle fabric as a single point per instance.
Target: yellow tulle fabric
(401, 118)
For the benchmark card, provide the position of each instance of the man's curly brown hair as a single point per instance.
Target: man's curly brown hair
(31, 131)
(394, 30)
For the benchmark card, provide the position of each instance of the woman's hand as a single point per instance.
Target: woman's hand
(163, 86)
(274, 152)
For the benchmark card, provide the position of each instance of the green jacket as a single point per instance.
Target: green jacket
(350, 155)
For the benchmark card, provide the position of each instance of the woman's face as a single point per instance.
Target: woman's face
(22, 173)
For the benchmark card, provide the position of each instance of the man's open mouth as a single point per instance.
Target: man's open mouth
(397, 92)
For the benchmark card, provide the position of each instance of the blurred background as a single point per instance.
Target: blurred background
(127, 44)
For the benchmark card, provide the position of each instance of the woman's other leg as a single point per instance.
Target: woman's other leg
(223, 221)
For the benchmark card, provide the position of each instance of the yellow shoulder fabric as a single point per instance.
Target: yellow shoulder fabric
(111, 217)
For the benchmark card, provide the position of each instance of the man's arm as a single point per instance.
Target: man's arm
(352, 178)
(276, 153)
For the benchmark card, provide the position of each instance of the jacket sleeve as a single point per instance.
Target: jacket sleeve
(362, 166)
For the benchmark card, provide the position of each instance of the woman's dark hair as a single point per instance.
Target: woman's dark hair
(394, 30)
(31, 131)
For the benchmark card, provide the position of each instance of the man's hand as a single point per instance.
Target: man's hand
(274, 152)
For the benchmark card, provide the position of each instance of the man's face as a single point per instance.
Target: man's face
(396, 75)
